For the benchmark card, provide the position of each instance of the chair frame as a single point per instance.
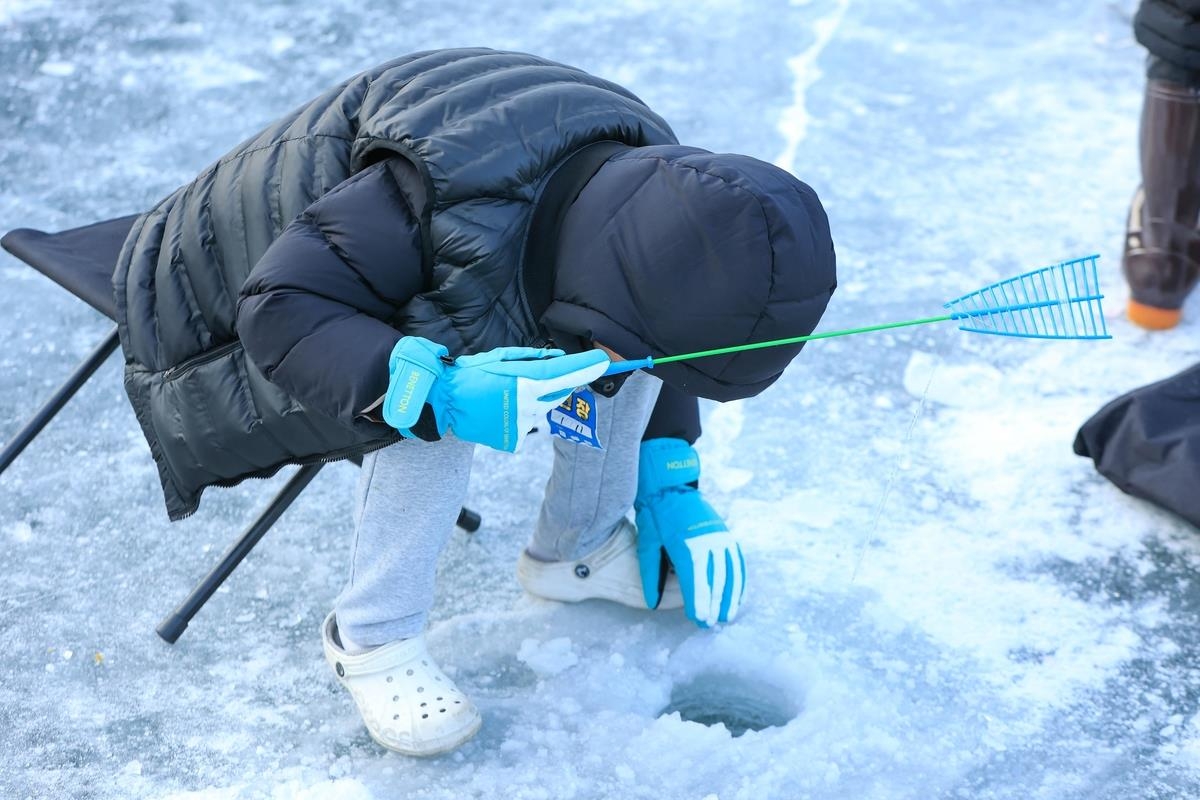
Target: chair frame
(174, 624)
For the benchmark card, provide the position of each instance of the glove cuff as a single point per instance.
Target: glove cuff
(414, 366)
(664, 464)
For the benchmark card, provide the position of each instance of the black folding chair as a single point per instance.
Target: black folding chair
(81, 260)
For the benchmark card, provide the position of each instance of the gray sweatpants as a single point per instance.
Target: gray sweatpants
(409, 496)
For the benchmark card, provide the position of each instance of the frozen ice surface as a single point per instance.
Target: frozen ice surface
(944, 600)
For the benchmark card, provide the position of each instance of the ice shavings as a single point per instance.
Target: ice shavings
(19, 532)
(548, 658)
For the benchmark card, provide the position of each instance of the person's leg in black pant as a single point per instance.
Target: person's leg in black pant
(675, 416)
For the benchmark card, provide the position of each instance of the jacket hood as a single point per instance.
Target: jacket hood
(670, 250)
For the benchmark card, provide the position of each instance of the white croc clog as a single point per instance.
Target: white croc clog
(609, 573)
(408, 704)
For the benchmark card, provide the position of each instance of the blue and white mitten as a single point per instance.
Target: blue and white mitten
(677, 526)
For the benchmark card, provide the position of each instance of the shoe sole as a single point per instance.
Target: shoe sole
(439, 746)
(440, 749)
(1152, 318)
(529, 575)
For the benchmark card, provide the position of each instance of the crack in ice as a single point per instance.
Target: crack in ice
(793, 122)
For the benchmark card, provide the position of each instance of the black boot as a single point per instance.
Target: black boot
(1162, 247)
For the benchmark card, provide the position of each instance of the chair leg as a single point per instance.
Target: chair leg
(65, 392)
(173, 626)
(175, 623)
(468, 520)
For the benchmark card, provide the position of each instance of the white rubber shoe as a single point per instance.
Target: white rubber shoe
(609, 573)
(408, 704)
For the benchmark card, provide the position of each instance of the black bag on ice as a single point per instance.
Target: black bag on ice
(1147, 442)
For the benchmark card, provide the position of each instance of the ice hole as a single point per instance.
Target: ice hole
(739, 702)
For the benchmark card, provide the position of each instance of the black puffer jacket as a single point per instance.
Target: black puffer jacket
(482, 131)
(666, 250)
(588, 224)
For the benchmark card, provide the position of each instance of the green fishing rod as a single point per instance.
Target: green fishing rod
(650, 362)
(1056, 302)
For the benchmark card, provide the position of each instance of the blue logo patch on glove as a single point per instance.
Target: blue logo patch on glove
(496, 398)
(574, 419)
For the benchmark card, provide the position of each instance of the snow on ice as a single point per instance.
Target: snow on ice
(944, 601)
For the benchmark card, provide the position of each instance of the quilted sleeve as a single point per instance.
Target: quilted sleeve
(314, 313)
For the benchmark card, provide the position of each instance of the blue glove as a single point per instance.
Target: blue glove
(413, 367)
(676, 526)
(493, 398)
